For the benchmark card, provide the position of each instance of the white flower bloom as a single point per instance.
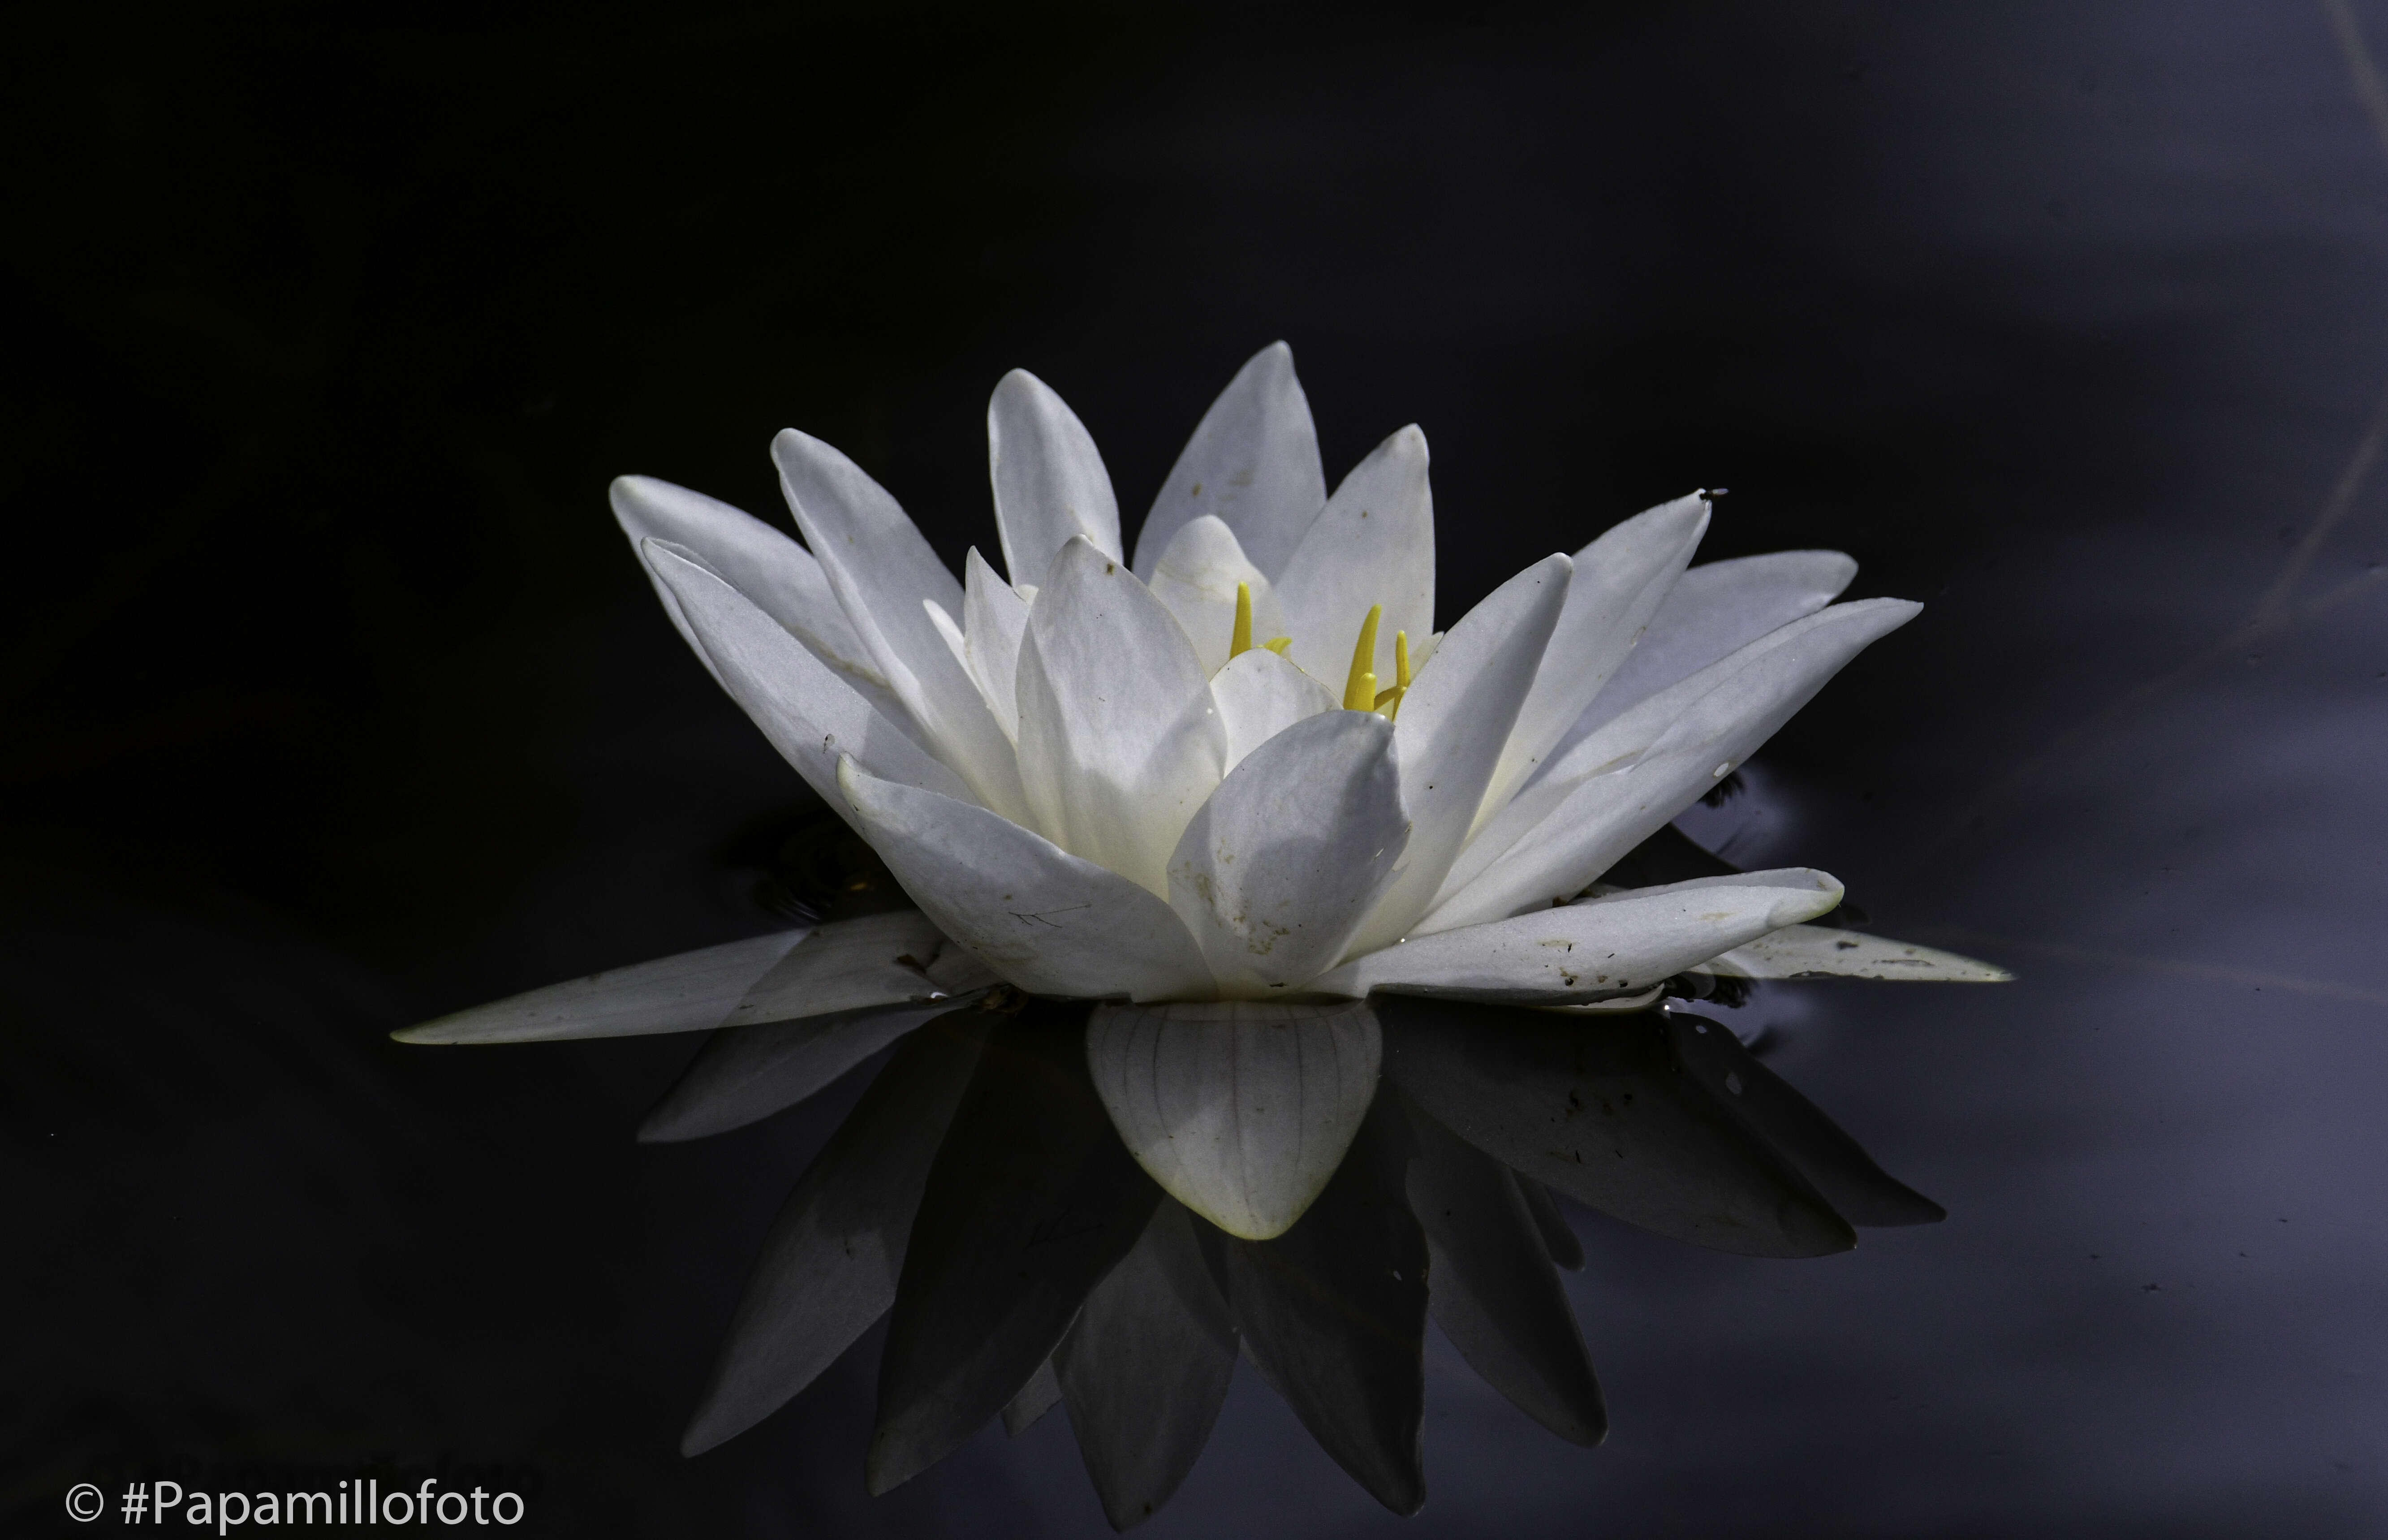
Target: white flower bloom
(1236, 787)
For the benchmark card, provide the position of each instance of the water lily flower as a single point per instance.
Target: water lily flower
(1187, 859)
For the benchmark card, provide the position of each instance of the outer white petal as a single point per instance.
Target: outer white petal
(1050, 480)
(780, 576)
(1261, 694)
(995, 617)
(1119, 740)
(875, 960)
(1813, 951)
(1741, 701)
(1253, 461)
(1451, 726)
(1049, 921)
(1620, 580)
(1372, 544)
(687, 993)
(1241, 1110)
(1714, 610)
(809, 714)
(1619, 943)
(1277, 871)
(882, 571)
(1197, 578)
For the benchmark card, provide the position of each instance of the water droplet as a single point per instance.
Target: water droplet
(1733, 1083)
(1722, 771)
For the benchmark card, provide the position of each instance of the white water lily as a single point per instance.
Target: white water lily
(1230, 790)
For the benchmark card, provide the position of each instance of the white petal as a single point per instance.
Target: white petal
(1261, 694)
(1809, 951)
(1049, 481)
(1196, 578)
(780, 576)
(1253, 462)
(875, 960)
(1372, 544)
(1620, 580)
(691, 992)
(881, 570)
(1714, 610)
(1039, 916)
(1451, 726)
(1119, 740)
(1277, 871)
(1739, 704)
(810, 715)
(1241, 1110)
(1600, 946)
(995, 617)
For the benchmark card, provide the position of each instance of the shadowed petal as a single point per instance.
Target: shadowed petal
(1049, 477)
(1278, 869)
(1253, 462)
(994, 619)
(1241, 1109)
(1594, 948)
(1817, 951)
(1146, 1368)
(1042, 1393)
(1598, 1109)
(1259, 695)
(687, 993)
(1789, 1122)
(1196, 578)
(1333, 1314)
(1372, 544)
(745, 1075)
(1559, 1239)
(1493, 1288)
(835, 1253)
(1031, 1202)
(1045, 920)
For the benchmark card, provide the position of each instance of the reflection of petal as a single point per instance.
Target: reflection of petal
(1040, 1395)
(1253, 461)
(830, 1265)
(1803, 951)
(1040, 917)
(687, 993)
(1372, 544)
(1599, 1111)
(1609, 945)
(1493, 1288)
(1765, 1105)
(1559, 1239)
(1333, 1313)
(1146, 1368)
(1031, 1202)
(1050, 480)
(748, 1074)
(1241, 1109)
(1279, 868)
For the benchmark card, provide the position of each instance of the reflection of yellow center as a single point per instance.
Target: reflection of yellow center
(1360, 691)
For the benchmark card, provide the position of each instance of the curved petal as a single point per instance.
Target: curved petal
(1452, 724)
(1196, 578)
(1815, 952)
(1609, 945)
(994, 619)
(1049, 921)
(884, 577)
(891, 958)
(1049, 477)
(745, 1075)
(687, 993)
(1277, 871)
(1372, 544)
(1253, 461)
(1741, 703)
(1619, 580)
(809, 714)
(1259, 695)
(1119, 741)
(1041, 1394)
(1241, 1110)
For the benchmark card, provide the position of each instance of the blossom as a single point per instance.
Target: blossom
(1217, 840)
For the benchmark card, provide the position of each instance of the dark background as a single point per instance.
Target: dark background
(332, 700)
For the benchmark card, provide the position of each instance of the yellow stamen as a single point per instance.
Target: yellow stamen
(1240, 641)
(1360, 688)
(1390, 701)
(1278, 644)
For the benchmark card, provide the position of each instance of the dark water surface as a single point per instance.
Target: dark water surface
(332, 700)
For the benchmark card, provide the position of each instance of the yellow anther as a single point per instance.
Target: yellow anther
(1240, 641)
(1360, 688)
(1278, 644)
